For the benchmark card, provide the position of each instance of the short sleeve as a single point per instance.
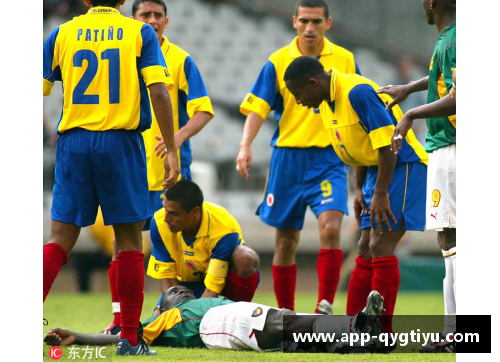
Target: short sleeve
(161, 265)
(197, 94)
(51, 69)
(449, 64)
(151, 63)
(373, 116)
(262, 96)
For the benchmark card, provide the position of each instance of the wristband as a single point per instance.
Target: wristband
(454, 86)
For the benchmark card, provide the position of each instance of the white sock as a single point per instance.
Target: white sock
(115, 307)
(450, 308)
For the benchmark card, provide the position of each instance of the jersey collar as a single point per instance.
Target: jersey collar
(295, 52)
(165, 45)
(333, 85)
(206, 223)
(103, 10)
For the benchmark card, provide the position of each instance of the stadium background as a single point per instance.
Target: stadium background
(230, 41)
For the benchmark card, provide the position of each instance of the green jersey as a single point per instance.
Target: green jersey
(180, 325)
(442, 131)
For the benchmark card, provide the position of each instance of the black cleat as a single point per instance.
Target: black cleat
(443, 346)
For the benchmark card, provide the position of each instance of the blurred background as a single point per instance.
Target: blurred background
(230, 41)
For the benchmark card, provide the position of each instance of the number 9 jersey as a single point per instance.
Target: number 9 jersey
(105, 61)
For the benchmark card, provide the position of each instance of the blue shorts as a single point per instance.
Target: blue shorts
(106, 168)
(299, 177)
(406, 193)
(156, 197)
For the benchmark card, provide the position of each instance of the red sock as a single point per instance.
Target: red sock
(240, 289)
(54, 257)
(386, 281)
(285, 280)
(130, 282)
(114, 289)
(328, 268)
(360, 285)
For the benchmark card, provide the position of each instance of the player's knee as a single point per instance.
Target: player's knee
(378, 248)
(244, 261)
(287, 242)
(364, 248)
(330, 235)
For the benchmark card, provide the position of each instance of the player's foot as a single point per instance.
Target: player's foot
(443, 346)
(112, 329)
(374, 304)
(369, 320)
(324, 307)
(125, 349)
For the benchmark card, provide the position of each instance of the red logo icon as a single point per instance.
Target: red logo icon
(270, 200)
(434, 216)
(55, 352)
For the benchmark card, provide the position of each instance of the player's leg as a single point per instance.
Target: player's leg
(243, 277)
(360, 284)
(284, 208)
(284, 267)
(447, 242)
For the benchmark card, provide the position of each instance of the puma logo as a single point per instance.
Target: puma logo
(434, 216)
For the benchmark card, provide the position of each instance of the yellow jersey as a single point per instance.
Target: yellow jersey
(205, 257)
(105, 61)
(358, 123)
(297, 126)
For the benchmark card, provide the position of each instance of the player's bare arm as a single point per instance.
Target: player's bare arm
(65, 337)
(162, 107)
(453, 91)
(244, 159)
(380, 206)
(167, 283)
(360, 208)
(444, 107)
(209, 294)
(401, 92)
(192, 128)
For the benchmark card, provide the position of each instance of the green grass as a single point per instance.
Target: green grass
(90, 313)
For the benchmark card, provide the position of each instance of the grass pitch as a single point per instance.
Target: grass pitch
(90, 313)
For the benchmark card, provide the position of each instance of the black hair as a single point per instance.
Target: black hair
(187, 194)
(109, 3)
(312, 4)
(137, 3)
(304, 68)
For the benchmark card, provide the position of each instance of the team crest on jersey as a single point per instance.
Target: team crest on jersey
(257, 312)
(337, 134)
(190, 253)
(190, 265)
(270, 200)
(157, 267)
(167, 74)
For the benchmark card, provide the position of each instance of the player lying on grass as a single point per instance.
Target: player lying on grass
(218, 323)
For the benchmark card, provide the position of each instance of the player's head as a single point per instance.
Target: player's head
(436, 8)
(311, 20)
(108, 3)
(305, 78)
(175, 295)
(183, 206)
(152, 12)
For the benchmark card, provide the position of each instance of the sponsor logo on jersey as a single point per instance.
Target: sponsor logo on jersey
(190, 253)
(190, 265)
(270, 200)
(334, 121)
(337, 134)
(434, 216)
(257, 312)
(326, 201)
(250, 99)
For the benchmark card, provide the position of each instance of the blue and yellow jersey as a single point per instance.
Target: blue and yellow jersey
(297, 126)
(105, 61)
(205, 257)
(189, 95)
(359, 125)
(180, 325)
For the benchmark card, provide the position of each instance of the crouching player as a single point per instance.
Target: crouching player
(199, 245)
(218, 323)
(360, 130)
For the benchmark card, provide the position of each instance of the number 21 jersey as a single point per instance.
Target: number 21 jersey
(105, 62)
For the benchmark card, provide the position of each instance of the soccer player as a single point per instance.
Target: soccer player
(441, 138)
(199, 245)
(360, 129)
(192, 110)
(218, 323)
(106, 63)
(304, 170)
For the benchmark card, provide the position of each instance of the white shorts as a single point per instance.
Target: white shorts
(441, 207)
(232, 326)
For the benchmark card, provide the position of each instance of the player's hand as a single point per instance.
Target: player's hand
(244, 161)
(160, 146)
(157, 311)
(453, 92)
(380, 209)
(59, 337)
(404, 125)
(171, 170)
(398, 92)
(359, 206)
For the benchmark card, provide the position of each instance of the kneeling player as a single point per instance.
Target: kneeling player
(219, 323)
